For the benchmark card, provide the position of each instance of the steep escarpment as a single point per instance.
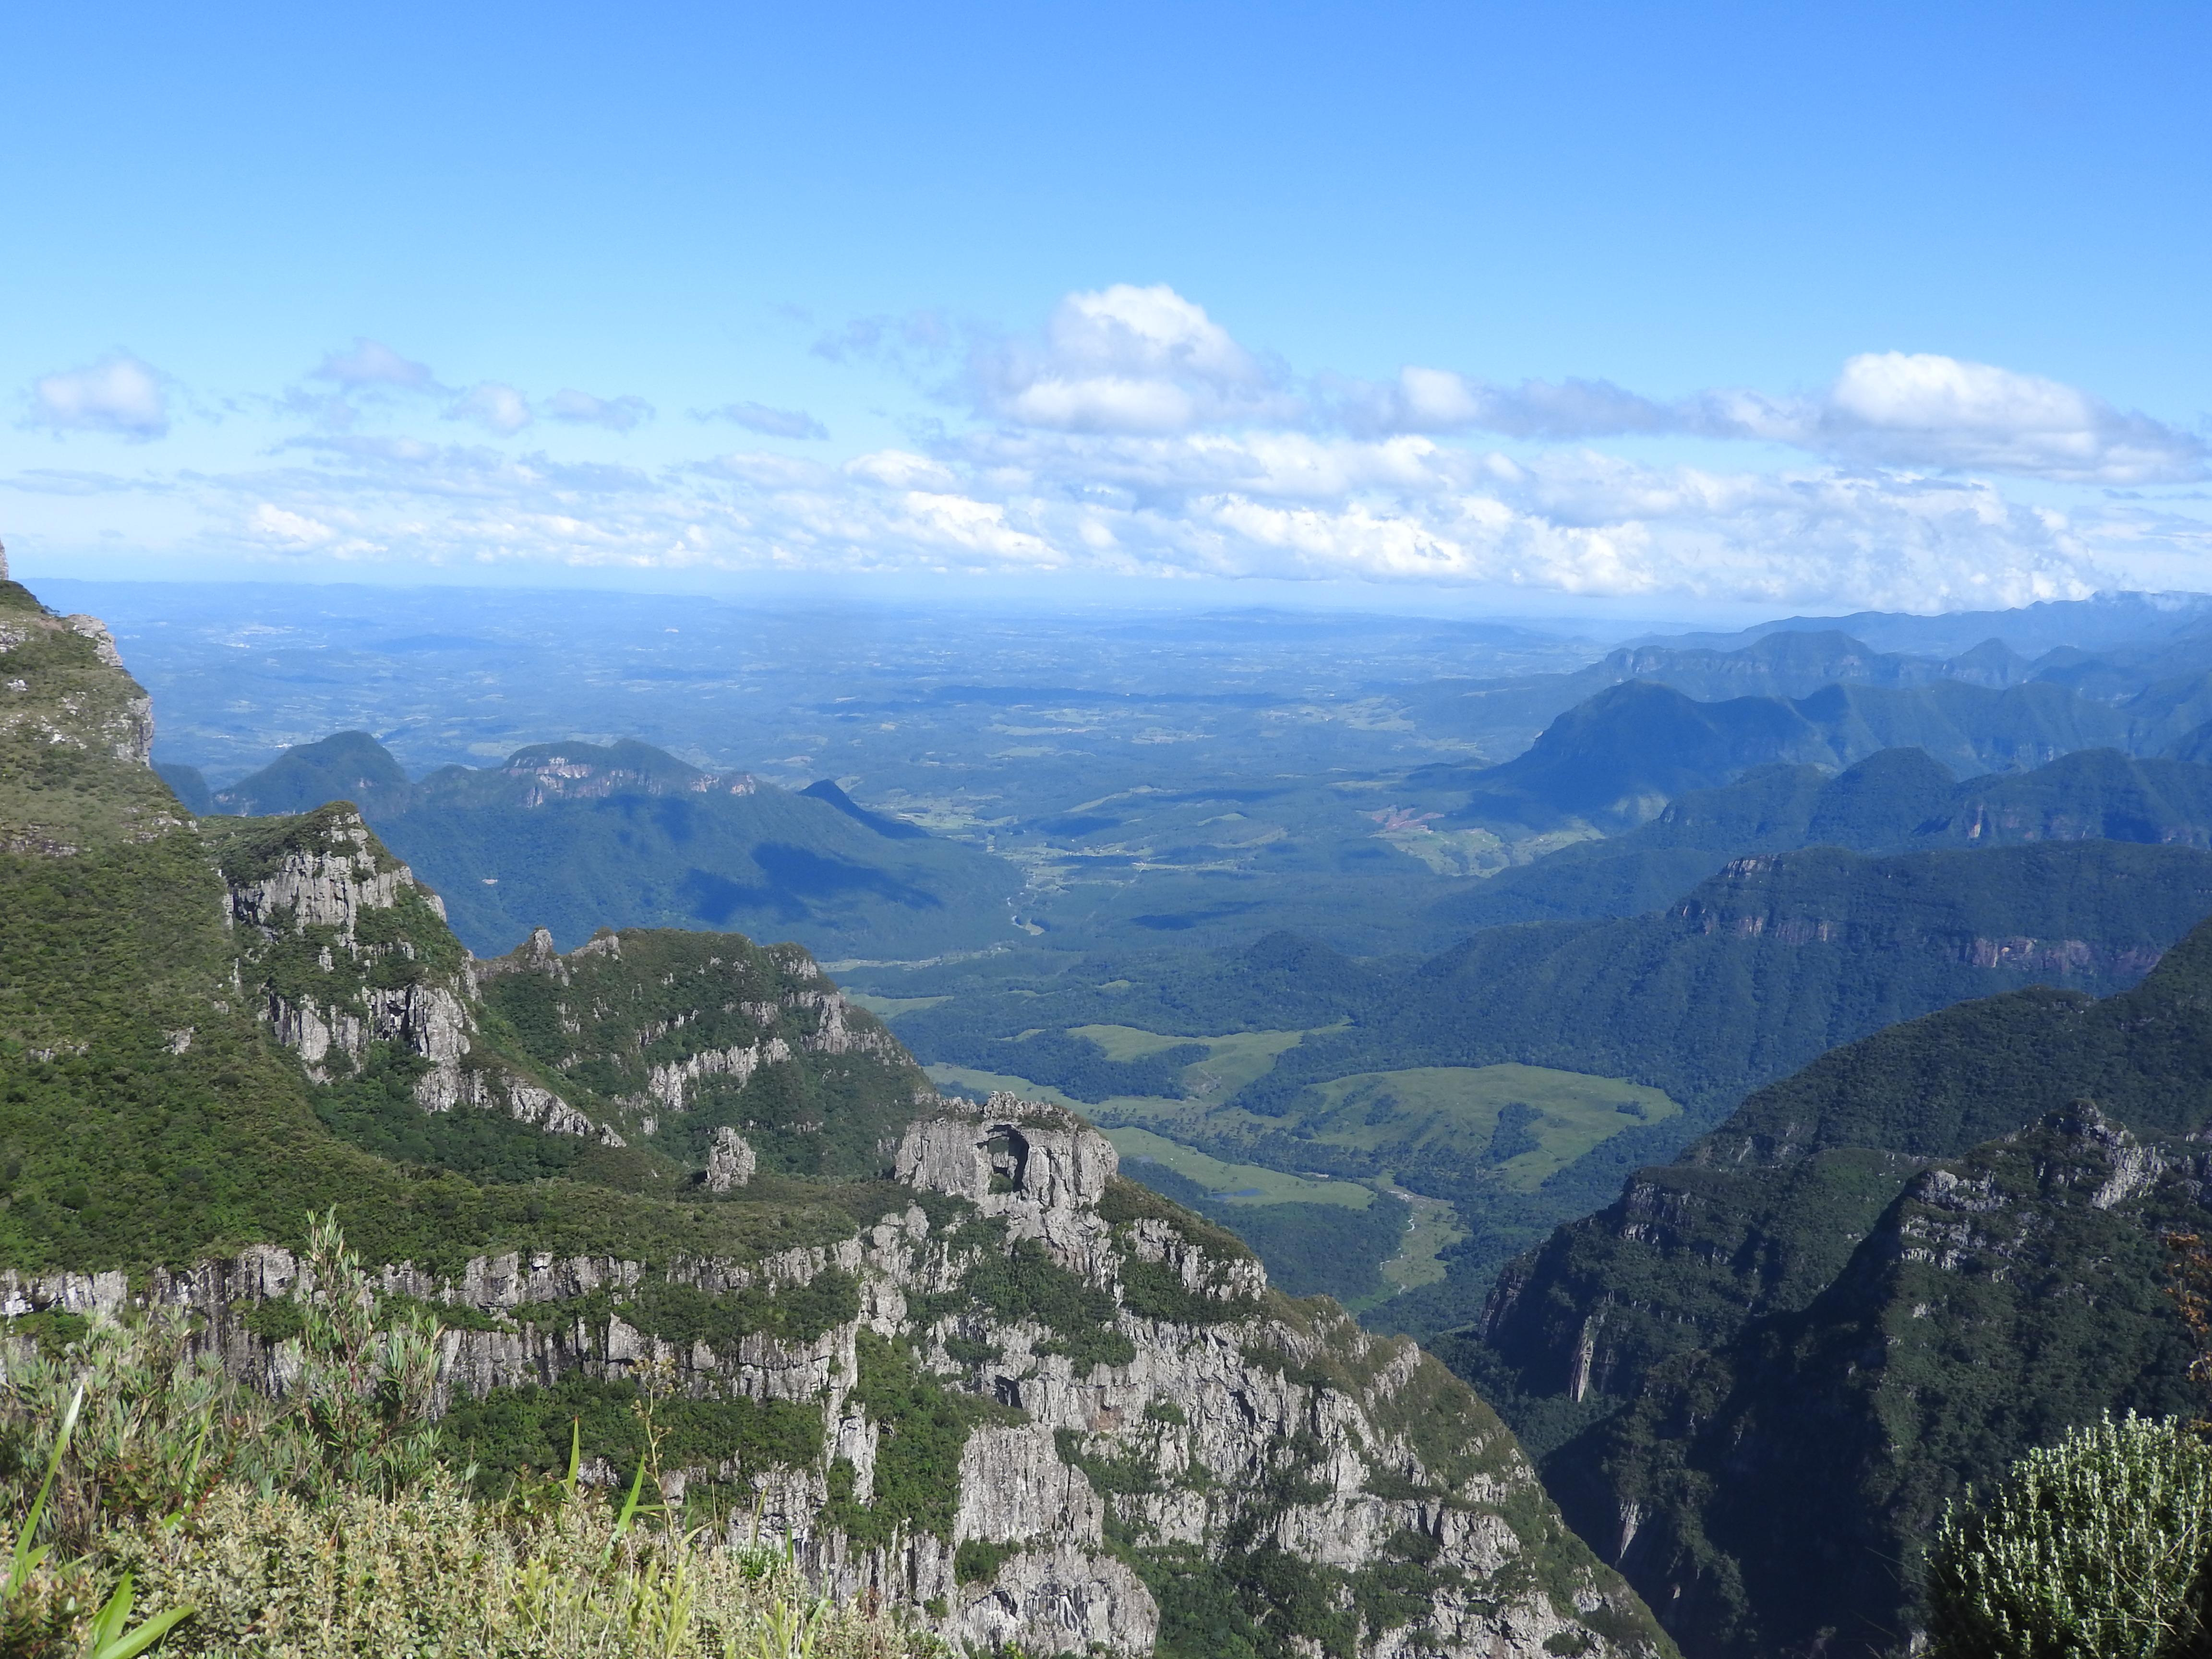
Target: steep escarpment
(76, 736)
(970, 1370)
(1038, 1404)
(2001, 1298)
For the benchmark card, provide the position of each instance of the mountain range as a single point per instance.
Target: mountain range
(1898, 954)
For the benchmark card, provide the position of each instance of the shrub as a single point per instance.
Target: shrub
(2095, 1545)
(324, 1524)
(432, 1572)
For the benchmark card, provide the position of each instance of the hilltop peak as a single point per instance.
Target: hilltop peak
(77, 736)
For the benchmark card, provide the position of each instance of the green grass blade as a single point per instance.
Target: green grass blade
(629, 1506)
(107, 1624)
(131, 1646)
(26, 1558)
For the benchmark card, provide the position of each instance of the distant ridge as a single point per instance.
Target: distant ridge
(573, 836)
(2097, 621)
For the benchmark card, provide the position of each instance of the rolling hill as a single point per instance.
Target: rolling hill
(576, 836)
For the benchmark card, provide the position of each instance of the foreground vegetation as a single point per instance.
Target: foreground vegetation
(2099, 1545)
(150, 1500)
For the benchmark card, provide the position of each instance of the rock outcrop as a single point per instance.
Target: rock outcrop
(346, 949)
(76, 738)
(1035, 1404)
(730, 1161)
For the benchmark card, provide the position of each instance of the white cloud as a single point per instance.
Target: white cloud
(900, 469)
(1128, 359)
(1405, 508)
(289, 529)
(1439, 401)
(1133, 434)
(1884, 408)
(582, 408)
(492, 406)
(1922, 410)
(768, 423)
(119, 394)
(372, 364)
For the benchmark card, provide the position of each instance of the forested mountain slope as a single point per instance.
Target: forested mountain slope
(1894, 801)
(1615, 760)
(1877, 1281)
(970, 1369)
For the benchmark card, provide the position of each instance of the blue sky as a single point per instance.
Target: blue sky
(1658, 305)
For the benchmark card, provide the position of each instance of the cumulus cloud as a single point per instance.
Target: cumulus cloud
(768, 423)
(1402, 508)
(1133, 434)
(582, 408)
(492, 406)
(119, 394)
(1128, 359)
(1921, 409)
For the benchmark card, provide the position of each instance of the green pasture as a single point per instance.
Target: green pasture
(1239, 1183)
(1453, 1111)
(889, 1007)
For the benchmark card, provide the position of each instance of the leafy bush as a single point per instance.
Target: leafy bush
(2097, 1545)
(432, 1572)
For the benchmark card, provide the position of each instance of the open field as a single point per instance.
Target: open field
(1454, 1111)
(1241, 1183)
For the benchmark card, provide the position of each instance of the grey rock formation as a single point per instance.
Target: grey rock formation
(331, 887)
(729, 1161)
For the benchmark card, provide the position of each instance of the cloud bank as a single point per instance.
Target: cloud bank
(1133, 434)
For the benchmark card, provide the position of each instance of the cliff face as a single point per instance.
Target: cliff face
(2003, 1297)
(1876, 1285)
(1132, 1405)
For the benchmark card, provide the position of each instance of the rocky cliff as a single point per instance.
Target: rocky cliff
(75, 735)
(1041, 1404)
(2001, 1298)
(968, 1366)
(1874, 1286)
